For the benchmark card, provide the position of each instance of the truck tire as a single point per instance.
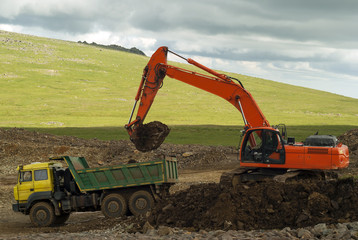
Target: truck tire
(60, 220)
(42, 214)
(140, 202)
(114, 205)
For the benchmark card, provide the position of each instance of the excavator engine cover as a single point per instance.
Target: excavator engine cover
(321, 141)
(150, 136)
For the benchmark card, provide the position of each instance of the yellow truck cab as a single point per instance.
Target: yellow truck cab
(34, 179)
(34, 193)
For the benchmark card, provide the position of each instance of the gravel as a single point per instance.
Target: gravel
(119, 231)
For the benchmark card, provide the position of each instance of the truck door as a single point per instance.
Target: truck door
(42, 180)
(25, 186)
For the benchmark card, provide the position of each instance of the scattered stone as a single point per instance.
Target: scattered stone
(168, 207)
(353, 226)
(147, 227)
(187, 154)
(164, 230)
(304, 234)
(320, 230)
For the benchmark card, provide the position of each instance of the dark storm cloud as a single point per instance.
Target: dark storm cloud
(319, 20)
(59, 22)
(78, 18)
(323, 21)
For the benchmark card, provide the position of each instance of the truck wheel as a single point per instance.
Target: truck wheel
(114, 205)
(60, 220)
(140, 202)
(42, 214)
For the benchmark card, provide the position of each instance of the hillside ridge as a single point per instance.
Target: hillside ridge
(55, 83)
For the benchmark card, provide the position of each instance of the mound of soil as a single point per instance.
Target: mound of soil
(265, 205)
(19, 146)
(350, 138)
(150, 136)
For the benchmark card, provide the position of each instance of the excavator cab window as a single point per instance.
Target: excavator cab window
(263, 146)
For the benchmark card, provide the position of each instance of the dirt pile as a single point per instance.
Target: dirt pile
(150, 136)
(350, 138)
(264, 205)
(19, 146)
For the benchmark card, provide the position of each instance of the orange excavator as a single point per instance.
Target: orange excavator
(264, 150)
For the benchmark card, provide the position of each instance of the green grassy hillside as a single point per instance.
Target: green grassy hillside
(70, 88)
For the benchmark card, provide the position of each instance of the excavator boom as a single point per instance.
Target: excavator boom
(219, 84)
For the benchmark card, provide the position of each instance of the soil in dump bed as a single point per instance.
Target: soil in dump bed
(265, 205)
(150, 136)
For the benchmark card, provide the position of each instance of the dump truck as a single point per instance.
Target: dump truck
(49, 192)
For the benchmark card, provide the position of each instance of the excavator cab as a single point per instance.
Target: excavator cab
(262, 145)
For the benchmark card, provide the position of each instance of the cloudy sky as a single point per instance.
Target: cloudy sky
(312, 43)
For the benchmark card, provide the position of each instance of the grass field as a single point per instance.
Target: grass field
(199, 134)
(69, 88)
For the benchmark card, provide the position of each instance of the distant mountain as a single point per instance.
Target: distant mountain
(115, 47)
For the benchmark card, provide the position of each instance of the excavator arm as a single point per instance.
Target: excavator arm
(219, 84)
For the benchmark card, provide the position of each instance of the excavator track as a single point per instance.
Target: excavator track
(236, 178)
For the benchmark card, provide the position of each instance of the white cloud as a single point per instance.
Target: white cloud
(10, 28)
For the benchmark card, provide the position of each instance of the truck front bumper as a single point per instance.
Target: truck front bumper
(19, 207)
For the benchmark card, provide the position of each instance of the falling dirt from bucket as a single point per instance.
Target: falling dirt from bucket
(150, 136)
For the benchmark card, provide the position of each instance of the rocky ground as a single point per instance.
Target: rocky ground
(120, 231)
(197, 208)
(18, 146)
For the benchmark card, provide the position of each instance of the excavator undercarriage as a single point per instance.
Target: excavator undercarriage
(236, 178)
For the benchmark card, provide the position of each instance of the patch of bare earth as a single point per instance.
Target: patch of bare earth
(197, 202)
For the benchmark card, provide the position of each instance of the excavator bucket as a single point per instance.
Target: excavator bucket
(150, 136)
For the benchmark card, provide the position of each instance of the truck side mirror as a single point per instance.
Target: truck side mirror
(19, 180)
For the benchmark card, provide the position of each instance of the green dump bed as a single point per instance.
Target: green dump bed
(124, 175)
